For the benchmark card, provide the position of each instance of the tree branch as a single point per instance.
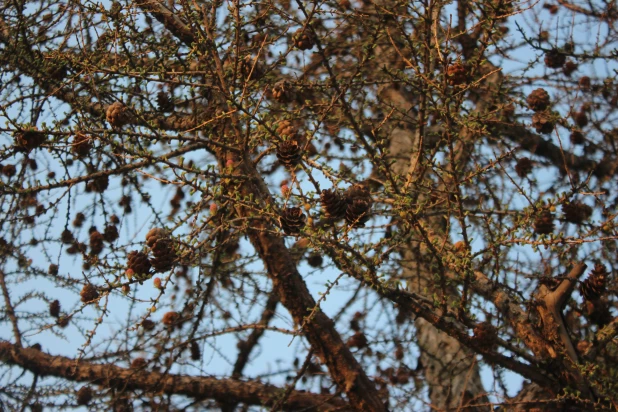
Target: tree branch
(251, 393)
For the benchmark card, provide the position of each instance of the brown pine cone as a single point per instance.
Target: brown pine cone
(543, 122)
(584, 82)
(594, 286)
(358, 340)
(66, 237)
(147, 324)
(89, 293)
(282, 92)
(303, 39)
(333, 204)
(98, 184)
(315, 260)
(195, 351)
(576, 212)
(79, 220)
(456, 74)
(54, 308)
(597, 312)
(117, 115)
(554, 59)
(581, 119)
(544, 223)
(138, 363)
(523, 167)
(96, 242)
(110, 234)
(250, 69)
(83, 395)
(162, 248)
(27, 140)
(289, 153)
(485, 335)
(285, 128)
(538, 100)
(164, 103)
(357, 212)
(359, 203)
(577, 137)
(292, 220)
(358, 191)
(569, 67)
(81, 145)
(170, 318)
(9, 170)
(138, 262)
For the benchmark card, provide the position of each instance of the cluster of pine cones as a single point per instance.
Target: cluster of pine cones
(164, 255)
(353, 205)
(594, 286)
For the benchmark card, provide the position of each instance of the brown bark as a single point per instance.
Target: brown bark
(110, 376)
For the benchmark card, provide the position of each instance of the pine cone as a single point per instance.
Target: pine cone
(138, 262)
(581, 118)
(544, 223)
(138, 363)
(289, 153)
(359, 203)
(117, 115)
(9, 170)
(523, 167)
(538, 100)
(164, 103)
(456, 74)
(250, 69)
(81, 145)
(162, 248)
(195, 351)
(598, 312)
(543, 122)
(358, 340)
(584, 82)
(333, 204)
(315, 260)
(576, 212)
(110, 234)
(66, 237)
(282, 92)
(554, 59)
(98, 184)
(285, 128)
(485, 335)
(54, 308)
(577, 137)
(27, 140)
(89, 293)
(594, 286)
(303, 39)
(569, 67)
(170, 318)
(96, 243)
(292, 220)
(147, 324)
(357, 212)
(84, 395)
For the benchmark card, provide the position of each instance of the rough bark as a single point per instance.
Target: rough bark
(110, 376)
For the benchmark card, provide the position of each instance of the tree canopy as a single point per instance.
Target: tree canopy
(286, 205)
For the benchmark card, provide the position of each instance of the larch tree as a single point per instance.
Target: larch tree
(339, 205)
